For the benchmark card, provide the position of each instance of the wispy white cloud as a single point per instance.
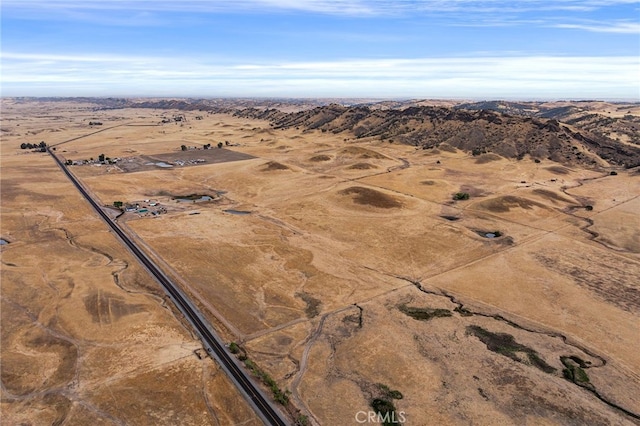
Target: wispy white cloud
(340, 7)
(489, 77)
(618, 27)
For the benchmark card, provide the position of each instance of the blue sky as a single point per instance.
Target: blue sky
(462, 49)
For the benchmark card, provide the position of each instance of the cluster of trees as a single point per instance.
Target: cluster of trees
(207, 146)
(42, 146)
(101, 159)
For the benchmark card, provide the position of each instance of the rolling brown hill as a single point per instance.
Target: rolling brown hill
(475, 131)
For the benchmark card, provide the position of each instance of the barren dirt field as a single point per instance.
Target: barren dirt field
(344, 268)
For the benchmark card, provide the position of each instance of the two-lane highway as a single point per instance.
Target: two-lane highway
(212, 342)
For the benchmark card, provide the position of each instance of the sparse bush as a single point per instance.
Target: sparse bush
(461, 196)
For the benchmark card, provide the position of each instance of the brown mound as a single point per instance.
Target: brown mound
(487, 158)
(474, 191)
(362, 152)
(274, 165)
(318, 158)
(559, 170)
(371, 197)
(362, 166)
(507, 202)
(550, 195)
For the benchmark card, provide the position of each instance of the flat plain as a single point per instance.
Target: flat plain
(343, 267)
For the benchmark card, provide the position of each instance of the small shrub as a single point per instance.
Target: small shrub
(461, 196)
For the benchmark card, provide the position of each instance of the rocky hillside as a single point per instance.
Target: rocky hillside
(476, 131)
(617, 121)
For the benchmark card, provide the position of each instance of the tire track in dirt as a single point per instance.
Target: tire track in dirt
(302, 366)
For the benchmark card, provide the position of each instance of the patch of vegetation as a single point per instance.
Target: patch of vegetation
(313, 304)
(540, 363)
(574, 372)
(383, 405)
(463, 311)
(238, 351)
(234, 348)
(274, 165)
(504, 204)
(428, 182)
(279, 395)
(461, 196)
(318, 158)
(372, 197)
(424, 314)
(388, 393)
(362, 166)
(505, 344)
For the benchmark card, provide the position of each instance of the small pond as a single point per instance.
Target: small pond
(489, 234)
(3, 241)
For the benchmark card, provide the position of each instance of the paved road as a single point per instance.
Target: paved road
(214, 345)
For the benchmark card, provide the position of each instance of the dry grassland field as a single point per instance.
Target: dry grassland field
(343, 267)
